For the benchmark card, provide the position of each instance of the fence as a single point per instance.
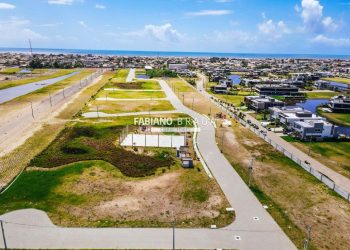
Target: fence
(12, 164)
(231, 110)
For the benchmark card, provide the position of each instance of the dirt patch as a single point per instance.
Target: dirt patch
(127, 200)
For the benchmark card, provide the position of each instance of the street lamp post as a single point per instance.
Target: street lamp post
(31, 106)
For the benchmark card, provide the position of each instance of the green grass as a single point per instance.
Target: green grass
(333, 154)
(120, 76)
(14, 83)
(9, 71)
(337, 79)
(83, 142)
(145, 85)
(113, 107)
(236, 100)
(340, 119)
(321, 95)
(131, 94)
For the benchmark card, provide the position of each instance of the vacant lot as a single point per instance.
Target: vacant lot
(113, 107)
(236, 100)
(14, 83)
(333, 154)
(95, 193)
(82, 142)
(295, 198)
(131, 94)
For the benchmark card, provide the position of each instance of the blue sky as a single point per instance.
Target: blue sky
(255, 26)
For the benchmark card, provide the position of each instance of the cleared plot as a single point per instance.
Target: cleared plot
(127, 106)
(294, 198)
(131, 94)
(96, 194)
(14, 83)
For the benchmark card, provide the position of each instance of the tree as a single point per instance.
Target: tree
(36, 63)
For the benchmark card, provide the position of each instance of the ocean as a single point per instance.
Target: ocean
(172, 54)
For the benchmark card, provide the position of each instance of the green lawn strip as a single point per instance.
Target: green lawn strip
(337, 79)
(10, 84)
(333, 154)
(120, 76)
(139, 84)
(114, 107)
(179, 85)
(9, 71)
(233, 99)
(131, 94)
(340, 119)
(321, 95)
(83, 142)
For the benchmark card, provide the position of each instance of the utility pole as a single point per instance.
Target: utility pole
(308, 238)
(31, 106)
(174, 225)
(50, 100)
(64, 96)
(251, 171)
(98, 114)
(3, 234)
(183, 98)
(222, 142)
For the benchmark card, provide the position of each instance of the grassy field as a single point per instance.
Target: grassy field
(233, 99)
(321, 95)
(338, 79)
(9, 71)
(294, 198)
(96, 194)
(131, 94)
(335, 155)
(10, 84)
(145, 85)
(85, 141)
(112, 107)
(120, 76)
(337, 118)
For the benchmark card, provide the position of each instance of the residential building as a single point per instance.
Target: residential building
(277, 89)
(313, 129)
(340, 104)
(260, 103)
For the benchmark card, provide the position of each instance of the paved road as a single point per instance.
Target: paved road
(253, 228)
(339, 179)
(17, 125)
(11, 93)
(131, 75)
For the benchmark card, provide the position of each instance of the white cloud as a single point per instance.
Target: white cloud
(163, 33)
(223, 1)
(312, 14)
(7, 6)
(17, 30)
(336, 42)
(84, 25)
(100, 6)
(50, 25)
(64, 2)
(273, 30)
(209, 13)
